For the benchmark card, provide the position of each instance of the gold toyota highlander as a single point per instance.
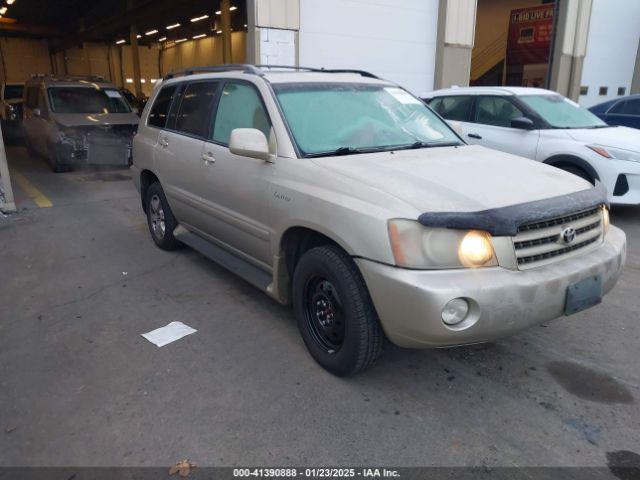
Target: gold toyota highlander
(345, 195)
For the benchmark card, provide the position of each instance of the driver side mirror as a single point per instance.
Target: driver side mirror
(522, 123)
(249, 142)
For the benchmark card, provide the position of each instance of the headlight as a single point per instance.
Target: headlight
(616, 153)
(606, 222)
(415, 246)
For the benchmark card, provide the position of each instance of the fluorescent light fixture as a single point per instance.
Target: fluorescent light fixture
(120, 42)
(197, 19)
(231, 9)
(129, 80)
(153, 80)
(10, 2)
(175, 25)
(202, 35)
(245, 25)
(162, 39)
(181, 40)
(151, 32)
(218, 32)
(219, 12)
(142, 80)
(138, 36)
(3, 10)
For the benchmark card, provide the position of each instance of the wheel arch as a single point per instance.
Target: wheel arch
(574, 161)
(147, 178)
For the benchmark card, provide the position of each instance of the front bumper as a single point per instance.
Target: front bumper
(410, 302)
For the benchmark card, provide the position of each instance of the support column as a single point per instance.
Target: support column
(273, 32)
(635, 82)
(7, 203)
(225, 20)
(135, 55)
(570, 47)
(456, 33)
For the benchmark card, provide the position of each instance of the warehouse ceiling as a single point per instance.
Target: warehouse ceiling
(69, 22)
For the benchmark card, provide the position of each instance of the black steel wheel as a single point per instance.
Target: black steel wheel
(335, 314)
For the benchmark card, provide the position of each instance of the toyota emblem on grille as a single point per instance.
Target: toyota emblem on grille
(569, 235)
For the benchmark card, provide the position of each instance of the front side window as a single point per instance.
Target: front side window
(455, 108)
(240, 106)
(193, 115)
(560, 112)
(628, 107)
(496, 111)
(160, 109)
(87, 100)
(327, 118)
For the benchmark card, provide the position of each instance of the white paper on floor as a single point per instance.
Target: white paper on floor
(170, 333)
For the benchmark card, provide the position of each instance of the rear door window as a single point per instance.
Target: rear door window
(195, 107)
(455, 108)
(160, 109)
(497, 111)
(240, 106)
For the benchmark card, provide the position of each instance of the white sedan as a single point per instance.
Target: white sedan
(545, 126)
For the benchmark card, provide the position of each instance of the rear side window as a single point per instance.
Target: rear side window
(496, 111)
(197, 100)
(160, 109)
(628, 107)
(454, 108)
(240, 106)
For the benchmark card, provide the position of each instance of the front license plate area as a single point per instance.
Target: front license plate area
(584, 294)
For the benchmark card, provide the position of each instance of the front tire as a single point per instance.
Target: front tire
(160, 219)
(335, 314)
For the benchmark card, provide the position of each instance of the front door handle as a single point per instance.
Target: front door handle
(208, 158)
(475, 135)
(164, 141)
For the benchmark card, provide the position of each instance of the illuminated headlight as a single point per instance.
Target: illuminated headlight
(419, 247)
(616, 153)
(606, 222)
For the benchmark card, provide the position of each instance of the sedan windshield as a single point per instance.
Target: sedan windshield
(347, 118)
(87, 100)
(560, 112)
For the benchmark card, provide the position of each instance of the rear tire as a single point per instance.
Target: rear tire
(335, 314)
(160, 219)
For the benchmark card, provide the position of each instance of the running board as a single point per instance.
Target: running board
(245, 270)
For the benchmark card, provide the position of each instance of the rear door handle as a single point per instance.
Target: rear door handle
(474, 135)
(164, 141)
(208, 158)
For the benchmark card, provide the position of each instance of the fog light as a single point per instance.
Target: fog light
(455, 311)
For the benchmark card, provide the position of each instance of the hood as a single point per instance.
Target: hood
(615, 137)
(95, 119)
(456, 179)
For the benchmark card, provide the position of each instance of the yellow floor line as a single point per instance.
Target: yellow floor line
(29, 188)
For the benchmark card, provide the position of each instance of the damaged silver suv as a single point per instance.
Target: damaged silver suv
(345, 195)
(77, 121)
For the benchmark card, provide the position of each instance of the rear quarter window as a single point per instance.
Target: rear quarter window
(160, 109)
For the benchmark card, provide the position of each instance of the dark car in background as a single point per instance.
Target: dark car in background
(11, 111)
(623, 111)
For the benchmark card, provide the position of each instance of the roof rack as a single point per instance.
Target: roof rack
(69, 78)
(244, 68)
(258, 70)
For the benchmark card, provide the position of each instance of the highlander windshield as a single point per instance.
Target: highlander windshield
(87, 100)
(345, 118)
(560, 112)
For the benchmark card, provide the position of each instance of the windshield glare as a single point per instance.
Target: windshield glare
(560, 112)
(87, 100)
(327, 117)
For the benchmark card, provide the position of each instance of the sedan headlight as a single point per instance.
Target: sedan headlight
(419, 247)
(616, 153)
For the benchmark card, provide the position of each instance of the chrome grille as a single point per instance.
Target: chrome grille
(539, 243)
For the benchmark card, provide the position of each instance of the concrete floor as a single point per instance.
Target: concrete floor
(79, 283)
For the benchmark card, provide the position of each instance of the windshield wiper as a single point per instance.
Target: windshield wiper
(420, 144)
(336, 153)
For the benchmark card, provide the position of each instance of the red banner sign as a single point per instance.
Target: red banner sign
(530, 33)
